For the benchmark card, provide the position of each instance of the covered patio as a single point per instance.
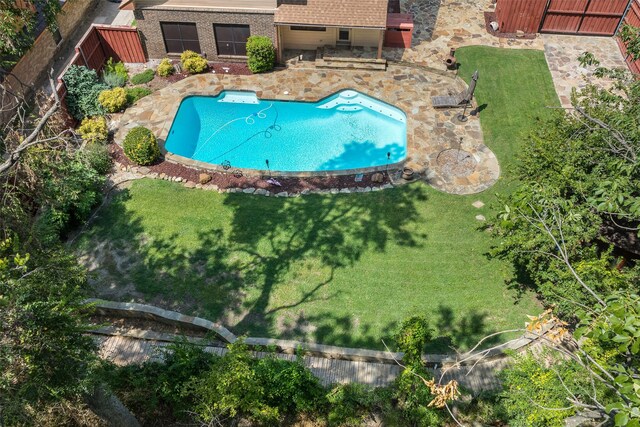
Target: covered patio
(312, 24)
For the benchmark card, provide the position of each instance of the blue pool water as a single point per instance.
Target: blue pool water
(347, 130)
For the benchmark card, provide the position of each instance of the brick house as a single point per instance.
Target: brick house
(219, 28)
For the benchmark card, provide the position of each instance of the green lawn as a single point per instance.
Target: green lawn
(337, 269)
(514, 89)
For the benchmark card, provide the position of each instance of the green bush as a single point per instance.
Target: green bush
(192, 62)
(83, 88)
(231, 390)
(97, 158)
(529, 387)
(144, 77)
(116, 68)
(141, 146)
(113, 100)
(155, 388)
(413, 396)
(412, 337)
(135, 93)
(351, 404)
(113, 79)
(261, 54)
(165, 68)
(288, 386)
(94, 130)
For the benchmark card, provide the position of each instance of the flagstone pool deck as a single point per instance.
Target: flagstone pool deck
(430, 131)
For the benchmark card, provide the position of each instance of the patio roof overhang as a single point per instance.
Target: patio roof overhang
(365, 14)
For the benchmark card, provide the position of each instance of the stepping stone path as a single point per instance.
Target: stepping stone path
(478, 204)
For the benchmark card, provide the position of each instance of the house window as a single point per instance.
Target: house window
(231, 39)
(297, 28)
(179, 36)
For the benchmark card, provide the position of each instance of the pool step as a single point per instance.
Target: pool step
(348, 64)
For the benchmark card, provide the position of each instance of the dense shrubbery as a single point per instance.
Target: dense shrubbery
(198, 387)
(261, 54)
(83, 88)
(585, 185)
(140, 146)
(136, 93)
(414, 396)
(412, 338)
(94, 130)
(116, 68)
(192, 62)
(529, 388)
(113, 79)
(113, 100)
(144, 77)
(165, 68)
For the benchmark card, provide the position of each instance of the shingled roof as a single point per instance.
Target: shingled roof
(333, 13)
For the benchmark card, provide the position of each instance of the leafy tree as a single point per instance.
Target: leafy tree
(579, 175)
(17, 26)
(44, 355)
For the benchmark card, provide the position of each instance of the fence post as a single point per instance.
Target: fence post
(624, 16)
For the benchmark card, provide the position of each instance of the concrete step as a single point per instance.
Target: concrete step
(350, 65)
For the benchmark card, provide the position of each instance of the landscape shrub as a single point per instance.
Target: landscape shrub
(113, 79)
(135, 93)
(288, 386)
(351, 404)
(192, 62)
(141, 146)
(155, 388)
(530, 387)
(231, 390)
(113, 100)
(261, 54)
(165, 68)
(412, 337)
(97, 158)
(83, 88)
(94, 130)
(413, 397)
(117, 68)
(144, 77)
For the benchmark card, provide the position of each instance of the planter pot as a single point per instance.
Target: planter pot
(408, 174)
(451, 63)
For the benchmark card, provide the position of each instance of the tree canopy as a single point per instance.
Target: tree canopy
(18, 22)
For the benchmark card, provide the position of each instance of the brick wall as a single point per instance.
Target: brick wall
(31, 71)
(261, 23)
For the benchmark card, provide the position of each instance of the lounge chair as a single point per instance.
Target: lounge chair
(455, 101)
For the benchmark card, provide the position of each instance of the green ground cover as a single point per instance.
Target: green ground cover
(336, 269)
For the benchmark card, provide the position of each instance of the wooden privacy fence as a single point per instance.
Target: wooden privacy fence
(579, 17)
(633, 18)
(102, 42)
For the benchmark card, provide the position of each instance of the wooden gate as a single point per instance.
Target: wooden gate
(585, 17)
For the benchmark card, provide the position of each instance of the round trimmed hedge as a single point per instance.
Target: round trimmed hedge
(141, 146)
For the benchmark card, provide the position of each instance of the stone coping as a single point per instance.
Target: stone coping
(144, 311)
(429, 131)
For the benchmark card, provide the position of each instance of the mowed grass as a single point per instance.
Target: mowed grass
(514, 93)
(336, 269)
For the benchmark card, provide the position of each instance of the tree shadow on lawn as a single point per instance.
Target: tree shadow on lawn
(229, 273)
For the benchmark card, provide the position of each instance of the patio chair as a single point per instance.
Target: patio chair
(461, 99)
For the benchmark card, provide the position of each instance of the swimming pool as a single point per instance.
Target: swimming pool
(347, 130)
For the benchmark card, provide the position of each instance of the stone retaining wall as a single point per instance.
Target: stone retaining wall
(148, 312)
